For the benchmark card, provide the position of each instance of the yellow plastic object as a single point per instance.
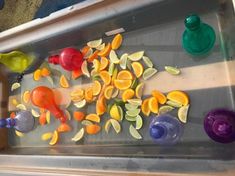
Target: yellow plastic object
(16, 61)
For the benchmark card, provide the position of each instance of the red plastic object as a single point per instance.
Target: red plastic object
(70, 59)
(43, 97)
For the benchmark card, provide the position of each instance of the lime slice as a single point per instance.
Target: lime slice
(113, 57)
(134, 133)
(130, 119)
(79, 135)
(19, 134)
(119, 102)
(174, 104)
(134, 83)
(120, 112)
(130, 106)
(68, 115)
(123, 61)
(165, 109)
(133, 112)
(84, 69)
(21, 107)
(107, 125)
(35, 113)
(80, 104)
(15, 86)
(94, 43)
(183, 113)
(86, 122)
(50, 80)
(139, 122)
(115, 93)
(149, 72)
(111, 68)
(48, 117)
(89, 53)
(46, 136)
(147, 61)
(172, 70)
(116, 125)
(136, 56)
(139, 90)
(136, 102)
(101, 47)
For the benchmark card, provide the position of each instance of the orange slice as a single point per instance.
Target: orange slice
(178, 96)
(45, 72)
(93, 118)
(117, 41)
(128, 94)
(153, 105)
(64, 82)
(96, 87)
(105, 76)
(124, 75)
(159, 96)
(145, 107)
(137, 68)
(77, 94)
(76, 74)
(55, 138)
(37, 75)
(105, 51)
(88, 94)
(93, 56)
(84, 50)
(78, 115)
(122, 84)
(101, 106)
(64, 127)
(104, 62)
(26, 96)
(93, 129)
(96, 65)
(108, 92)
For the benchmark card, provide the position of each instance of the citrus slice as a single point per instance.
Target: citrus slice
(130, 118)
(79, 135)
(153, 105)
(134, 133)
(88, 53)
(107, 125)
(96, 65)
(122, 84)
(183, 113)
(35, 113)
(64, 127)
(19, 134)
(178, 96)
(136, 101)
(149, 72)
(139, 90)
(133, 113)
(105, 76)
(104, 52)
(93, 118)
(123, 61)
(55, 138)
(128, 63)
(125, 75)
(15, 102)
(76, 74)
(165, 109)
(114, 76)
(46, 136)
(145, 107)
(15, 86)
(174, 104)
(136, 56)
(93, 73)
(94, 43)
(93, 129)
(100, 47)
(172, 70)
(108, 92)
(159, 96)
(130, 106)
(117, 41)
(137, 68)
(116, 125)
(80, 104)
(134, 83)
(48, 117)
(93, 56)
(115, 93)
(88, 94)
(64, 82)
(104, 62)
(21, 107)
(84, 69)
(113, 57)
(45, 72)
(77, 94)
(79, 116)
(67, 114)
(120, 112)
(26, 96)
(114, 112)
(101, 106)
(86, 122)
(127, 94)
(84, 50)
(139, 122)
(111, 68)
(37, 75)
(50, 80)
(96, 87)
(147, 61)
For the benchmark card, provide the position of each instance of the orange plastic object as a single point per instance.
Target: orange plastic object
(43, 97)
(93, 129)
(64, 127)
(79, 116)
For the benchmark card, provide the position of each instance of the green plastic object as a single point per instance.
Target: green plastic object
(198, 38)
(16, 61)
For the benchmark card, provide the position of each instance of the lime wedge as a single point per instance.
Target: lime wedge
(86, 122)
(80, 104)
(139, 122)
(79, 135)
(68, 115)
(129, 118)
(147, 61)
(149, 72)
(120, 112)
(84, 69)
(123, 61)
(116, 125)
(133, 112)
(183, 113)
(48, 117)
(113, 57)
(15, 86)
(130, 106)
(35, 113)
(107, 125)
(136, 102)
(174, 104)
(139, 90)
(21, 107)
(89, 53)
(101, 47)
(94, 43)
(115, 93)
(19, 134)
(172, 70)
(134, 83)
(111, 68)
(134, 133)
(46, 136)
(136, 56)
(50, 80)
(165, 109)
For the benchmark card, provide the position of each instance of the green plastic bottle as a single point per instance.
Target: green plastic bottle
(16, 61)
(198, 38)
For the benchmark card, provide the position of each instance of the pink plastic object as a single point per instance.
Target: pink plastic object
(70, 59)
(43, 97)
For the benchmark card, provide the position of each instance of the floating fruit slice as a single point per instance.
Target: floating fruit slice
(84, 69)
(93, 129)
(26, 96)
(37, 75)
(86, 122)
(108, 92)
(80, 104)
(46, 136)
(88, 53)
(64, 82)
(111, 68)
(137, 68)
(136, 101)
(79, 135)
(115, 93)
(117, 41)
(134, 83)
(19, 134)
(96, 65)
(125, 75)
(15, 102)
(101, 106)
(139, 122)
(133, 113)
(114, 76)
(172, 70)
(35, 113)
(55, 138)
(104, 62)
(183, 113)
(78, 115)
(21, 107)
(123, 61)
(130, 118)
(134, 133)
(178, 96)
(114, 112)
(174, 104)
(64, 127)
(76, 74)
(113, 57)
(130, 106)
(93, 118)
(42, 119)
(149, 72)
(116, 125)
(139, 90)
(96, 87)
(77, 95)
(145, 107)
(67, 114)
(120, 112)
(136, 56)
(84, 50)
(88, 94)
(107, 125)
(159, 96)
(147, 62)
(48, 117)
(153, 105)
(45, 72)
(105, 76)
(94, 43)
(105, 51)
(122, 84)
(15, 86)
(101, 47)
(50, 80)
(165, 109)
(127, 94)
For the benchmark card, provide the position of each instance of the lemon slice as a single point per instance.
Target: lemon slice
(129, 118)
(147, 61)
(130, 106)
(115, 93)
(108, 92)
(68, 115)
(48, 117)
(120, 112)
(85, 69)
(79, 135)
(86, 122)
(165, 109)
(101, 47)
(55, 138)
(183, 113)
(15, 102)
(111, 68)
(134, 133)
(136, 56)
(116, 125)
(94, 43)
(139, 90)
(136, 102)
(133, 112)
(172, 70)
(114, 112)
(46, 136)
(149, 72)
(174, 104)
(139, 122)
(35, 113)
(15, 86)
(21, 107)
(96, 65)
(19, 134)
(107, 126)
(89, 53)
(113, 57)
(80, 104)
(123, 61)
